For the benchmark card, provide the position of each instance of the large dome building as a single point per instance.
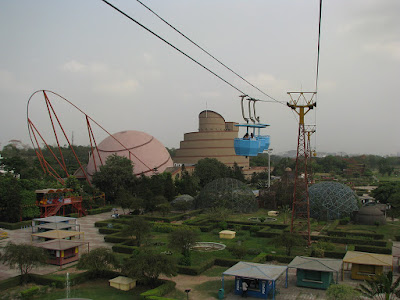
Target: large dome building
(149, 156)
(331, 200)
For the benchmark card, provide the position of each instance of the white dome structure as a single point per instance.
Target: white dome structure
(149, 156)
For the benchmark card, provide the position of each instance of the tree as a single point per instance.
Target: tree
(380, 287)
(289, 241)
(99, 259)
(23, 257)
(220, 214)
(164, 208)
(10, 199)
(152, 202)
(138, 228)
(187, 184)
(124, 199)
(183, 239)
(137, 205)
(342, 292)
(385, 190)
(237, 172)
(115, 175)
(209, 169)
(148, 266)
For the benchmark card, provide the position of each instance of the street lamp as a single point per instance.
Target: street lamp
(187, 293)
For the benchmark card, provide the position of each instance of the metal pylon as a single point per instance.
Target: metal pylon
(301, 103)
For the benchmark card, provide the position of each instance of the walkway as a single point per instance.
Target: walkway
(86, 223)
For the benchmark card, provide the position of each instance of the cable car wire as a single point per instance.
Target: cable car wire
(208, 53)
(177, 49)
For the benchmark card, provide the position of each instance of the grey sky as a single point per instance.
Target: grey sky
(126, 79)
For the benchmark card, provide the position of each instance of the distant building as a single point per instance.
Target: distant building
(213, 140)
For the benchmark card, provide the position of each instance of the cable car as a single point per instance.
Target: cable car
(253, 144)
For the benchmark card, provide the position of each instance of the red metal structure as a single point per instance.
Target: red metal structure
(301, 103)
(55, 201)
(60, 137)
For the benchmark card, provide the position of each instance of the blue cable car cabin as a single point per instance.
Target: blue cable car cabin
(251, 145)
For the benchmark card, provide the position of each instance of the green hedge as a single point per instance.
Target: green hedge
(121, 248)
(268, 232)
(113, 238)
(99, 210)
(375, 236)
(165, 288)
(10, 282)
(18, 225)
(104, 230)
(334, 254)
(351, 241)
(280, 258)
(225, 262)
(196, 270)
(397, 237)
(372, 249)
(28, 293)
(260, 258)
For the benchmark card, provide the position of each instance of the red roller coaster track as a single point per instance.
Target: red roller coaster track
(38, 140)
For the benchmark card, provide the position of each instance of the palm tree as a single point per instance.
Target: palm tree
(381, 287)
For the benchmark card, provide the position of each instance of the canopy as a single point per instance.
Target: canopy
(365, 258)
(57, 225)
(256, 271)
(54, 219)
(60, 244)
(57, 234)
(316, 264)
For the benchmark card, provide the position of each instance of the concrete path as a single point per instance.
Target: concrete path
(91, 235)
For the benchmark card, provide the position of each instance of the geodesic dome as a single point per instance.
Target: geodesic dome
(229, 193)
(331, 200)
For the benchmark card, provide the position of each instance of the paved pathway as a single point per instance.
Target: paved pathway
(24, 236)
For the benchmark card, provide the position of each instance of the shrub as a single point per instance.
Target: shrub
(237, 251)
(159, 291)
(381, 250)
(341, 292)
(28, 293)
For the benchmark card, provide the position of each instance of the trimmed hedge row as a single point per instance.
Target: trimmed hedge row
(260, 258)
(103, 230)
(196, 270)
(100, 210)
(352, 241)
(372, 249)
(14, 226)
(225, 262)
(375, 236)
(121, 248)
(334, 254)
(10, 282)
(115, 239)
(165, 288)
(28, 293)
(269, 233)
(280, 258)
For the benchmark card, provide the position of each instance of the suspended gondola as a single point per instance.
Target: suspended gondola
(252, 143)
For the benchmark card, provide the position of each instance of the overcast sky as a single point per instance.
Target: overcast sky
(127, 79)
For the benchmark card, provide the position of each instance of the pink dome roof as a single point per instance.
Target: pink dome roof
(149, 156)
